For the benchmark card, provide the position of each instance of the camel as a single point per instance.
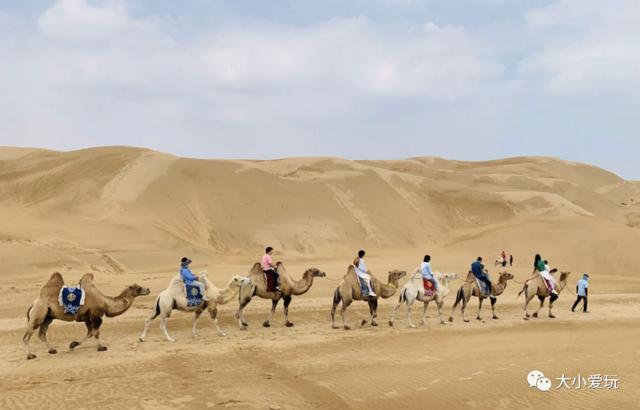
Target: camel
(173, 298)
(537, 287)
(414, 290)
(46, 308)
(288, 289)
(349, 290)
(470, 288)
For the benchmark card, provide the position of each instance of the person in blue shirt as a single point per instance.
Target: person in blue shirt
(582, 290)
(189, 278)
(427, 274)
(478, 270)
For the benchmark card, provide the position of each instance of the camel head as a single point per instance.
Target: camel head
(238, 281)
(505, 276)
(564, 276)
(395, 275)
(315, 273)
(136, 290)
(446, 277)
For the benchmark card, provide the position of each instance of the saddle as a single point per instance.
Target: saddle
(364, 289)
(429, 289)
(272, 280)
(71, 298)
(484, 289)
(193, 295)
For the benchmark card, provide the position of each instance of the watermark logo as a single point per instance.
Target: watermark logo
(537, 379)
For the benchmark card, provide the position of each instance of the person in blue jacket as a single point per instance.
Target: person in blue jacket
(189, 278)
(478, 270)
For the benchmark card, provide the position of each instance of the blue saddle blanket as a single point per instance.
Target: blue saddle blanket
(193, 294)
(71, 299)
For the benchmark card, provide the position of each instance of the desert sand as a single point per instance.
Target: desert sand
(128, 215)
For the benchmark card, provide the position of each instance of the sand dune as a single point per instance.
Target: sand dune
(129, 214)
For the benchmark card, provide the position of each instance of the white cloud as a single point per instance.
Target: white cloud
(590, 46)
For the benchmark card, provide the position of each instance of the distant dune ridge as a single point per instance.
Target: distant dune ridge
(86, 207)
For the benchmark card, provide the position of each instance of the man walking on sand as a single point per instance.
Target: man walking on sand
(582, 290)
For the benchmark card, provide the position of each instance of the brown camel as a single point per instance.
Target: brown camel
(537, 287)
(470, 288)
(288, 289)
(46, 308)
(349, 290)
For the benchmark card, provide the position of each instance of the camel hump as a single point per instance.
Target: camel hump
(53, 285)
(279, 263)
(256, 266)
(351, 270)
(86, 281)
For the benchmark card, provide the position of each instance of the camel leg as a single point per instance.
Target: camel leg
(42, 335)
(89, 334)
(463, 309)
(552, 299)
(213, 313)
(480, 300)
(392, 319)
(345, 305)
(243, 301)
(196, 316)
(527, 299)
(97, 322)
(274, 303)
(408, 313)
(163, 327)
(286, 301)
(154, 313)
(493, 308)
(373, 312)
(440, 305)
(36, 317)
(423, 320)
(535, 314)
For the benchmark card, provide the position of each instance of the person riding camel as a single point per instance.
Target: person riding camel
(362, 271)
(479, 271)
(269, 269)
(190, 279)
(427, 275)
(541, 267)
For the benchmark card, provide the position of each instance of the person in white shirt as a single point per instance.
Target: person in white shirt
(362, 271)
(427, 274)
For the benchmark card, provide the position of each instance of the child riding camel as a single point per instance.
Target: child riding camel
(427, 275)
(362, 271)
(189, 278)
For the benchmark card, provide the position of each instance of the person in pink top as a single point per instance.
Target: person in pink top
(269, 269)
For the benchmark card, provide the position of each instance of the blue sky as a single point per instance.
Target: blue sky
(473, 79)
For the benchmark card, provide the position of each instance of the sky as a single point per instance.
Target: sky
(384, 79)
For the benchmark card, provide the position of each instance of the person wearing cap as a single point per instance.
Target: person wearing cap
(478, 270)
(190, 279)
(582, 290)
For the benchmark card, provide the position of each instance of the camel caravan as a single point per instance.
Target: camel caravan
(196, 294)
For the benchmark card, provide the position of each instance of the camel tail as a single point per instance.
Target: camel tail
(403, 297)
(157, 313)
(336, 297)
(459, 296)
(29, 313)
(524, 288)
